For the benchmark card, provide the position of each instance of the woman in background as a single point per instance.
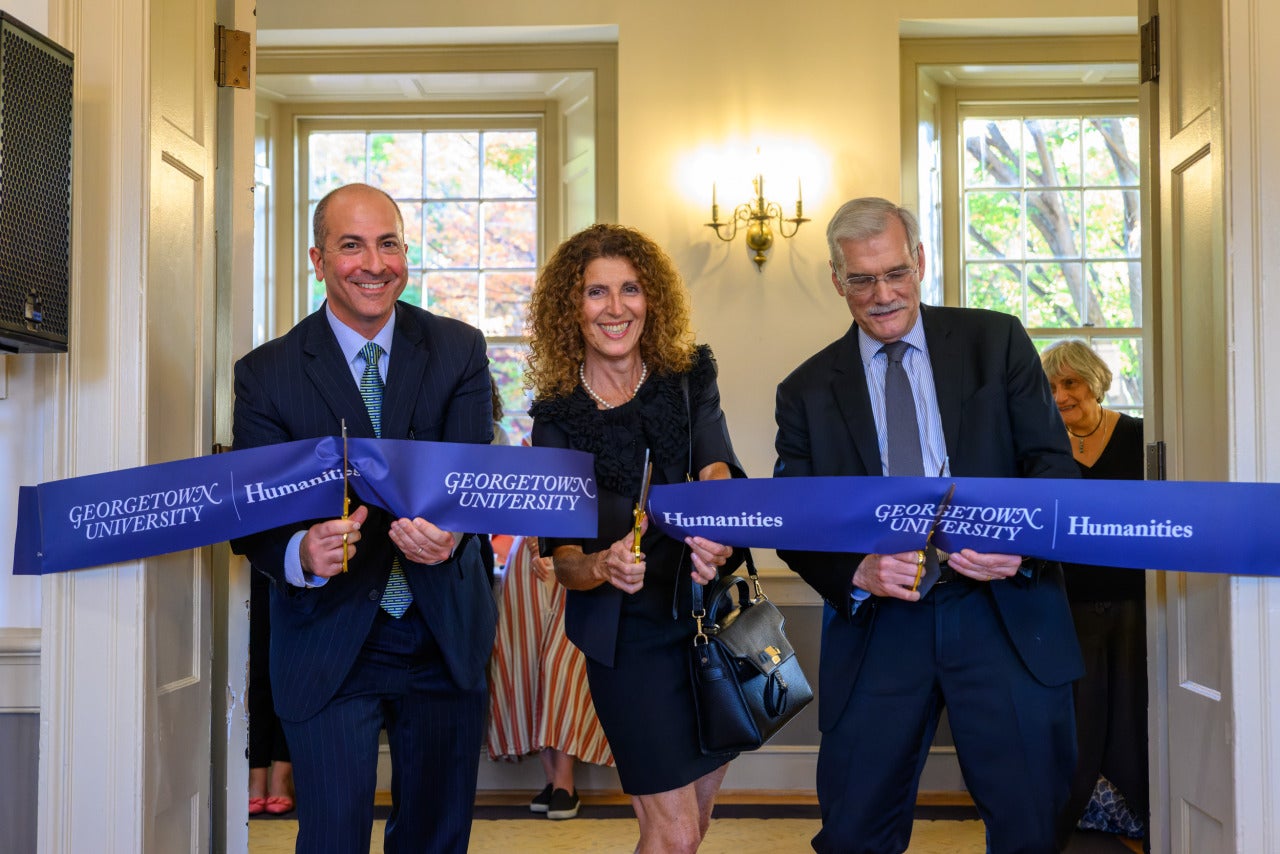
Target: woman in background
(539, 701)
(615, 372)
(1109, 791)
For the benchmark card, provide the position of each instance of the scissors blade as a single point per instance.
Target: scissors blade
(644, 483)
(346, 496)
(928, 570)
(942, 510)
(640, 506)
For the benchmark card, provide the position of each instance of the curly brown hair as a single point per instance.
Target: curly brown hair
(556, 345)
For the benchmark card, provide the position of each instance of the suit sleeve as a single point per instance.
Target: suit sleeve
(829, 573)
(470, 415)
(1040, 441)
(256, 422)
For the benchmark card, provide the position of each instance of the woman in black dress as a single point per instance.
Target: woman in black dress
(1109, 791)
(615, 371)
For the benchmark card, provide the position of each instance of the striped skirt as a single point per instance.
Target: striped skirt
(538, 694)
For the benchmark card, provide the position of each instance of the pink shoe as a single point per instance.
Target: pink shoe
(257, 806)
(277, 805)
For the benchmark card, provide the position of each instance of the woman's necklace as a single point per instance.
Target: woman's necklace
(1080, 437)
(582, 375)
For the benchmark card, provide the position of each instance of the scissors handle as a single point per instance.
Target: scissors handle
(635, 541)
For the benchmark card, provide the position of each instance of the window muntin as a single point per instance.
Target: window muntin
(471, 201)
(1050, 213)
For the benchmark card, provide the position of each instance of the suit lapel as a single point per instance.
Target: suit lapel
(330, 374)
(404, 375)
(948, 374)
(849, 386)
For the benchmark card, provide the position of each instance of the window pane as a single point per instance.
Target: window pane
(994, 225)
(395, 163)
(510, 165)
(455, 295)
(506, 366)
(1053, 152)
(1053, 224)
(1111, 151)
(335, 159)
(412, 213)
(506, 297)
(1049, 290)
(453, 165)
(510, 234)
(450, 230)
(1111, 217)
(992, 153)
(994, 286)
(1117, 290)
(1124, 357)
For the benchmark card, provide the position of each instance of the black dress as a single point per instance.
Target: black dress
(637, 645)
(1108, 606)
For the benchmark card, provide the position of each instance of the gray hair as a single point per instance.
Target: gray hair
(863, 218)
(1077, 356)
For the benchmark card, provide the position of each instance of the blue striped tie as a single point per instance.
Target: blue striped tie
(397, 596)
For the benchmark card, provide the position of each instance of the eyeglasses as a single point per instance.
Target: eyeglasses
(893, 278)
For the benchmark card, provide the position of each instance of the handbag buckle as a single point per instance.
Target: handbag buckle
(700, 637)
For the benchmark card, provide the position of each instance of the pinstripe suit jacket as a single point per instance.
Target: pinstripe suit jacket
(299, 386)
(998, 419)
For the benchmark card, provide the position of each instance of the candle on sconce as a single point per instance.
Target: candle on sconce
(715, 208)
(799, 199)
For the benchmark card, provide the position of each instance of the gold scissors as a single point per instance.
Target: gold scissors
(921, 554)
(639, 512)
(346, 496)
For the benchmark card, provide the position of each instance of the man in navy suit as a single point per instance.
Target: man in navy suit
(992, 641)
(400, 640)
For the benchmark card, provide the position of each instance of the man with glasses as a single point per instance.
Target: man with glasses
(913, 390)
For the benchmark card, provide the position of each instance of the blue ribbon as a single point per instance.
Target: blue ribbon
(136, 513)
(1185, 526)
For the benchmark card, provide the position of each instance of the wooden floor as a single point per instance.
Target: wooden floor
(606, 825)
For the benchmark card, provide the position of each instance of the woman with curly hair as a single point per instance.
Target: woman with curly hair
(615, 371)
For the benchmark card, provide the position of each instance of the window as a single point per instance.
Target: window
(470, 199)
(1050, 214)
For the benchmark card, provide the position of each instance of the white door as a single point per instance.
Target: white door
(180, 345)
(1189, 626)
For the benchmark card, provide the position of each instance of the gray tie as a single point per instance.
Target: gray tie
(905, 459)
(900, 415)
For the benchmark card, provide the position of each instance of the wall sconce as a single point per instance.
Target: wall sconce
(756, 217)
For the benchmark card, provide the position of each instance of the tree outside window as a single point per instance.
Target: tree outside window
(1051, 213)
(471, 210)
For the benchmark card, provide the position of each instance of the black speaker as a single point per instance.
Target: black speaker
(35, 190)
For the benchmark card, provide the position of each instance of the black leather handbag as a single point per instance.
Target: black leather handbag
(747, 682)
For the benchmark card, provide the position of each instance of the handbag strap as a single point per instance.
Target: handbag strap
(699, 609)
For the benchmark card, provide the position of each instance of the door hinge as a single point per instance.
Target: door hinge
(1149, 63)
(233, 58)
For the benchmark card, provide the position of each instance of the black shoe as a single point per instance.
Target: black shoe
(541, 800)
(563, 804)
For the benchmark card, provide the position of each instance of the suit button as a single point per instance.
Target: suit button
(374, 595)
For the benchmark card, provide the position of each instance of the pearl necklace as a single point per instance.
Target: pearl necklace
(582, 375)
(1080, 437)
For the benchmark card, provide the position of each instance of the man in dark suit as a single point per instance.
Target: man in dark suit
(401, 639)
(992, 641)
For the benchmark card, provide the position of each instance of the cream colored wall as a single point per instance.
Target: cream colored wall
(699, 76)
